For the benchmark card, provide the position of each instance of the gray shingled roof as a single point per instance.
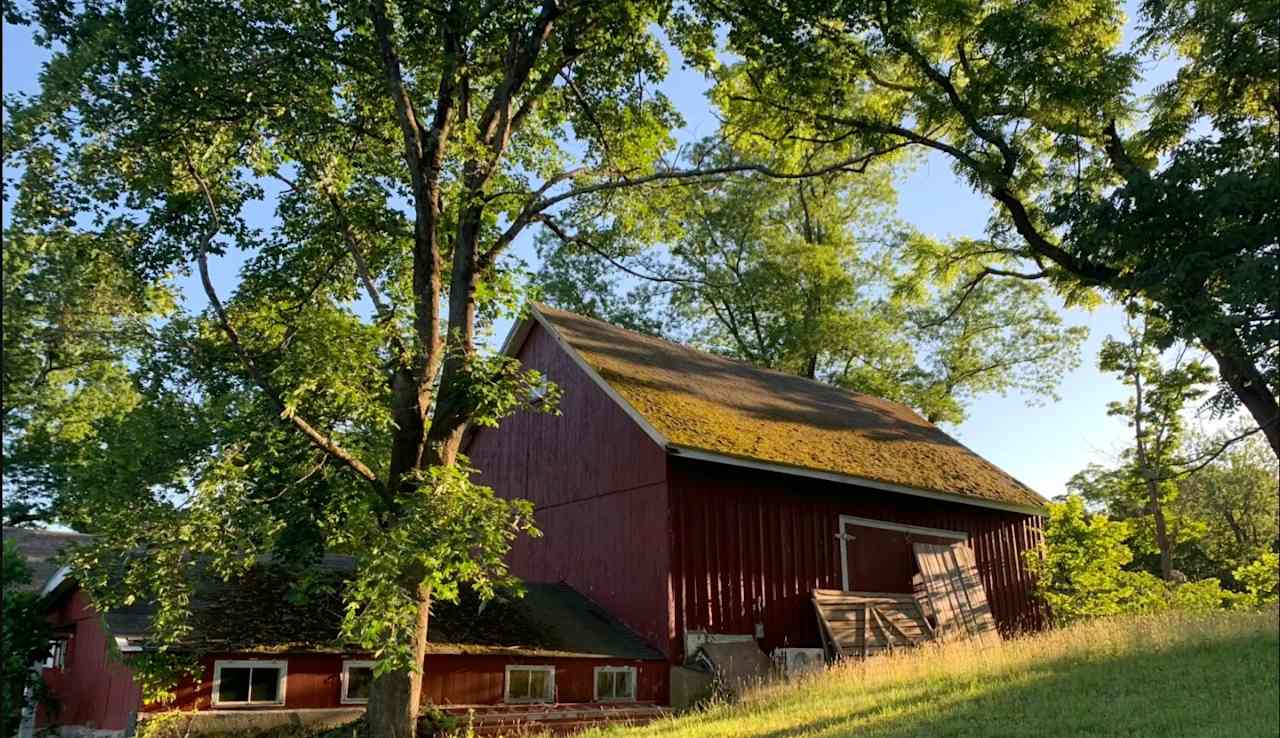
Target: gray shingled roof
(40, 549)
(258, 613)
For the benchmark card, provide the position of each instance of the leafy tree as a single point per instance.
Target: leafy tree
(1168, 199)
(1079, 570)
(70, 312)
(792, 276)
(1154, 412)
(370, 163)
(1232, 490)
(27, 635)
(1220, 504)
(1261, 579)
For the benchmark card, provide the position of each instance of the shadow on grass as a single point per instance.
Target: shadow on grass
(1223, 688)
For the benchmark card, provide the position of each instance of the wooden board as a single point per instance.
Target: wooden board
(862, 624)
(956, 598)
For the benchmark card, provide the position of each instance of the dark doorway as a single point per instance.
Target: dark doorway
(877, 555)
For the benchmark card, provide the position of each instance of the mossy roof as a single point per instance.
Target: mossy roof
(701, 401)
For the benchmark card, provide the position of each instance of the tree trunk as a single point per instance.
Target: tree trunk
(1244, 379)
(1148, 473)
(1162, 528)
(811, 367)
(394, 697)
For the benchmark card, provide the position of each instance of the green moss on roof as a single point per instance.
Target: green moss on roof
(706, 402)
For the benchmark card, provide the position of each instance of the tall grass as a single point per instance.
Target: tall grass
(1173, 674)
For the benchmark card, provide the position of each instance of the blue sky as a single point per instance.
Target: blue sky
(1041, 444)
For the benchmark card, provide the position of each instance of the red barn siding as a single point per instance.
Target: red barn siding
(749, 546)
(94, 687)
(478, 680)
(598, 484)
(314, 680)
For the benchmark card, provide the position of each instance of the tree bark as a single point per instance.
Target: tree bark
(1248, 384)
(1149, 476)
(394, 697)
(1162, 530)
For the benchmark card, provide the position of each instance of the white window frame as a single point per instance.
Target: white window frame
(347, 666)
(282, 665)
(57, 658)
(506, 683)
(843, 537)
(595, 683)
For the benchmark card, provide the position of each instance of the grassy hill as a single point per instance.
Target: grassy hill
(1167, 675)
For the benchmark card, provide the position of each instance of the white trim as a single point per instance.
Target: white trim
(124, 646)
(516, 338)
(506, 683)
(693, 453)
(958, 535)
(218, 666)
(347, 665)
(885, 525)
(595, 683)
(57, 579)
(618, 399)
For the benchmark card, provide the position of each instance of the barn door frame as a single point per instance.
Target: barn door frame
(847, 520)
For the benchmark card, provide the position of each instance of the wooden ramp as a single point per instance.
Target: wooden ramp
(956, 599)
(862, 624)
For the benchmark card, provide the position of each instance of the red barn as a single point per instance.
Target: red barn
(551, 658)
(690, 494)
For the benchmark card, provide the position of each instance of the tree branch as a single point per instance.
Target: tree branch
(289, 416)
(972, 285)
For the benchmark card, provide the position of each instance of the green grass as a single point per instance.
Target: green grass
(1166, 675)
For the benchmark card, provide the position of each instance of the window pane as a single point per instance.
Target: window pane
(538, 685)
(604, 685)
(266, 685)
(358, 680)
(233, 685)
(623, 689)
(519, 687)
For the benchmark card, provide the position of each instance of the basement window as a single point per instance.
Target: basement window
(615, 684)
(530, 684)
(357, 677)
(248, 683)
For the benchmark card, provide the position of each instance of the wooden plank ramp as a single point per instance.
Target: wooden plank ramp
(863, 624)
(956, 598)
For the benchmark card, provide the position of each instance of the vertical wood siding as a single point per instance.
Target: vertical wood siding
(748, 547)
(478, 680)
(598, 484)
(315, 680)
(94, 687)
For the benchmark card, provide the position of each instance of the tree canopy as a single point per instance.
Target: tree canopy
(1170, 198)
(816, 277)
(370, 164)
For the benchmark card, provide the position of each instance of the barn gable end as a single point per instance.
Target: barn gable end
(598, 482)
(742, 485)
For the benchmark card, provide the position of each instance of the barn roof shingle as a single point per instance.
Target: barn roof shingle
(703, 402)
(42, 550)
(256, 612)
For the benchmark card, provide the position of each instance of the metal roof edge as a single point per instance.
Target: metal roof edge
(700, 455)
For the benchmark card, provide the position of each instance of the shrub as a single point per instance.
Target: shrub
(1201, 596)
(1079, 571)
(1261, 580)
(432, 721)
